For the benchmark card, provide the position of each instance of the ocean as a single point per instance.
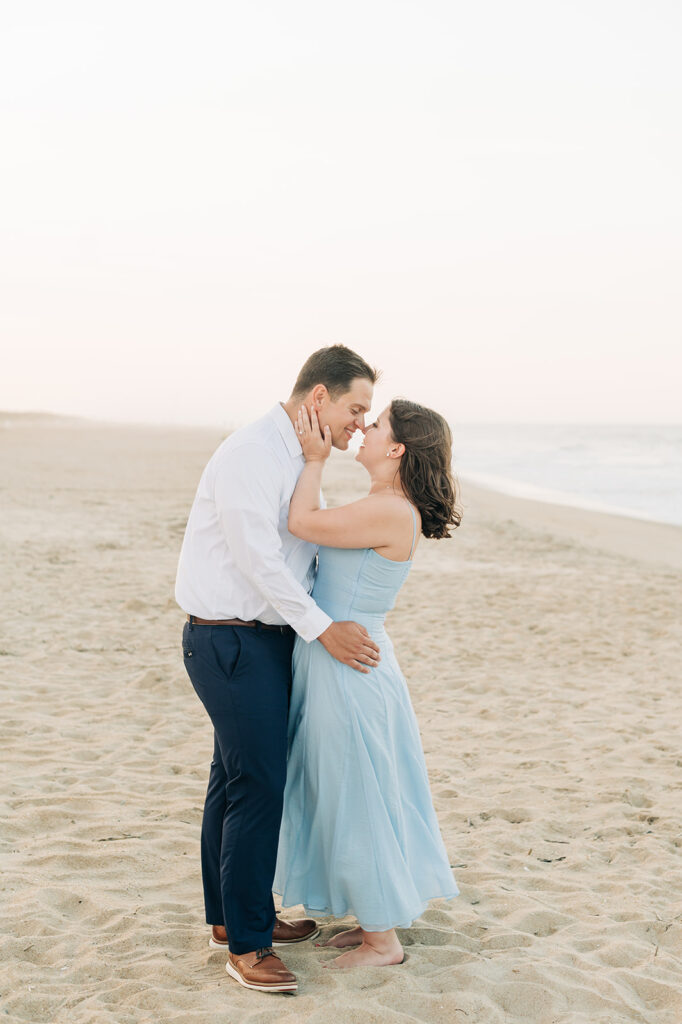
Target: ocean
(629, 470)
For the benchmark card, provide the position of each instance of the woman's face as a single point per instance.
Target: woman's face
(378, 440)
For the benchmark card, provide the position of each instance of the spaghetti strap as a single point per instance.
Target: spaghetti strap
(414, 531)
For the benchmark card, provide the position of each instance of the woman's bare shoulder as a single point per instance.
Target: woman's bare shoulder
(396, 506)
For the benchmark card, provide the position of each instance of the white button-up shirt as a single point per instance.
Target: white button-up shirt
(238, 559)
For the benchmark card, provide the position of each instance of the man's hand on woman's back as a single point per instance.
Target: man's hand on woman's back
(351, 644)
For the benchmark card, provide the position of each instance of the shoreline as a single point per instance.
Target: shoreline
(516, 488)
(644, 540)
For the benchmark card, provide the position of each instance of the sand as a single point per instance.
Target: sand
(542, 650)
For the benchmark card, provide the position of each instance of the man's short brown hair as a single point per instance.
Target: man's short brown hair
(336, 367)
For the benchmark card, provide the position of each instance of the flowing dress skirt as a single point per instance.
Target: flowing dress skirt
(359, 832)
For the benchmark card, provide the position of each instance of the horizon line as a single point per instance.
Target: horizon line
(46, 414)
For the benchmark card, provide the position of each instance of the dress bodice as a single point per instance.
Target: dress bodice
(357, 583)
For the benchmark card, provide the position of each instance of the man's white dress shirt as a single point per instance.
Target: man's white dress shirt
(238, 559)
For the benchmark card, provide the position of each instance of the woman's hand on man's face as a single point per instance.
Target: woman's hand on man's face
(315, 442)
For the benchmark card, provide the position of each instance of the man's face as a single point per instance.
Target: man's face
(347, 413)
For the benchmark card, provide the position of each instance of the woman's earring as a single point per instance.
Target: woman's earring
(388, 453)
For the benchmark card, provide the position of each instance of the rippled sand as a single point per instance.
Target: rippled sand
(542, 650)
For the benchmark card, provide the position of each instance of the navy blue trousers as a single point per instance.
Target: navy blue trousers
(242, 676)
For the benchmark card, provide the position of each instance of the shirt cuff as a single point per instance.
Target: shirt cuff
(313, 625)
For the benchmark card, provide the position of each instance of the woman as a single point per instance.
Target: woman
(359, 833)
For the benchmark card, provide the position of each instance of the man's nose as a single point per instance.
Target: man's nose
(360, 422)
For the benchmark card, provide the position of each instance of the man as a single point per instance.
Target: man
(244, 582)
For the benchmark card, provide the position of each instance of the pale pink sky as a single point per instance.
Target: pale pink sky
(483, 199)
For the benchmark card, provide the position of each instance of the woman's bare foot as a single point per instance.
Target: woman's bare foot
(351, 937)
(368, 956)
(377, 949)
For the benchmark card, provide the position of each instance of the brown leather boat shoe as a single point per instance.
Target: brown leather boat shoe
(286, 932)
(261, 970)
(283, 934)
(218, 938)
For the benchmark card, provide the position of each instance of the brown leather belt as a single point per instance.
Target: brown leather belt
(196, 621)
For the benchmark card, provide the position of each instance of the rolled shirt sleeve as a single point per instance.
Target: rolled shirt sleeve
(247, 498)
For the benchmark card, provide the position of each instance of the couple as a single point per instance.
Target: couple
(348, 827)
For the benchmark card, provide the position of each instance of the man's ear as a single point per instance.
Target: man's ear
(318, 395)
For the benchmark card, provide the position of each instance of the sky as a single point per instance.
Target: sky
(482, 199)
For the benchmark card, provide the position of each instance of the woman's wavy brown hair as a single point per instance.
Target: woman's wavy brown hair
(426, 466)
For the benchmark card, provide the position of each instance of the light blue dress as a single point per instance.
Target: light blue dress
(359, 833)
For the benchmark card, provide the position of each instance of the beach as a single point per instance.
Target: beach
(541, 645)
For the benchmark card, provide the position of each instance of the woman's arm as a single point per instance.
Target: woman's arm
(375, 521)
(367, 523)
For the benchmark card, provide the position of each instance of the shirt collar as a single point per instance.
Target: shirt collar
(286, 429)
